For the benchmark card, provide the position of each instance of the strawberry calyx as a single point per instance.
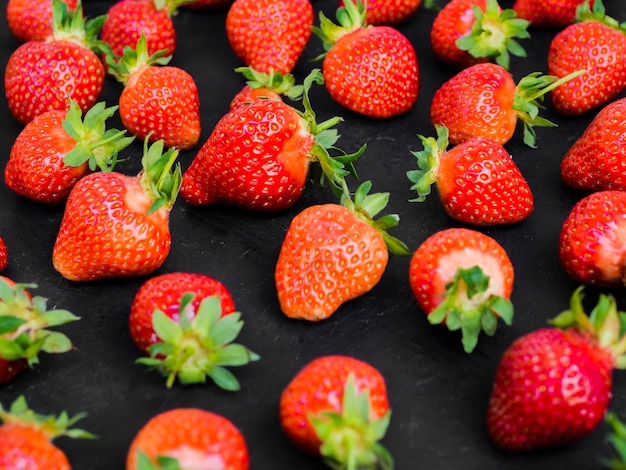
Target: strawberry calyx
(160, 177)
(350, 437)
(163, 462)
(134, 60)
(350, 17)
(492, 34)
(50, 426)
(617, 438)
(282, 84)
(468, 306)
(71, 25)
(94, 143)
(24, 321)
(598, 14)
(192, 349)
(428, 163)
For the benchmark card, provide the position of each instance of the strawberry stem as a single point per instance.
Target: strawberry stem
(157, 178)
(350, 18)
(283, 84)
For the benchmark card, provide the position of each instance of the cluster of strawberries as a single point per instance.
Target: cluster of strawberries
(261, 154)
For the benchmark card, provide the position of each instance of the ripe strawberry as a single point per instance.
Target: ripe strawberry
(548, 13)
(258, 156)
(334, 253)
(23, 329)
(190, 437)
(31, 20)
(364, 63)
(57, 148)
(463, 279)
(158, 102)
(388, 12)
(96, 242)
(483, 101)
(552, 386)
(478, 181)
(336, 407)
(4, 255)
(26, 438)
(597, 44)
(469, 32)
(591, 247)
(261, 85)
(269, 34)
(40, 75)
(597, 160)
(180, 320)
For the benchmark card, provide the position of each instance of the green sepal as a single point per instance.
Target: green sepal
(350, 437)
(617, 439)
(71, 25)
(134, 59)
(9, 324)
(350, 17)
(428, 163)
(161, 176)
(466, 306)
(598, 14)
(283, 84)
(492, 34)
(163, 462)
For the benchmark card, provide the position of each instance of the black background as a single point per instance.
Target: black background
(437, 392)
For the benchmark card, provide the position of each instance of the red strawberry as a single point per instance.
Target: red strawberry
(596, 43)
(186, 322)
(597, 160)
(336, 407)
(389, 12)
(483, 101)
(591, 242)
(24, 332)
(40, 75)
(273, 86)
(334, 253)
(57, 148)
(31, 20)
(548, 13)
(478, 181)
(258, 156)
(158, 102)
(26, 438)
(552, 386)
(96, 242)
(463, 279)
(469, 32)
(269, 34)
(191, 437)
(4, 255)
(364, 63)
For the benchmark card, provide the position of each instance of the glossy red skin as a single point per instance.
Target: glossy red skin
(71, 69)
(4, 255)
(256, 158)
(476, 102)
(596, 48)
(269, 34)
(10, 369)
(106, 232)
(31, 20)
(164, 293)
(162, 103)
(381, 12)
(206, 433)
(318, 387)
(551, 387)
(373, 71)
(27, 447)
(35, 169)
(548, 13)
(592, 242)
(127, 20)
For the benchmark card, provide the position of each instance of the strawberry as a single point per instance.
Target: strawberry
(386, 12)
(469, 32)
(57, 148)
(31, 20)
(363, 63)
(26, 438)
(591, 242)
(463, 279)
(4, 255)
(24, 332)
(40, 75)
(548, 13)
(597, 160)
(552, 386)
(273, 85)
(478, 181)
(159, 101)
(336, 407)
(258, 156)
(483, 101)
(269, 34)
(188, 438)
(186, 322)
(333, 253)
(596, 43)
(96, 242)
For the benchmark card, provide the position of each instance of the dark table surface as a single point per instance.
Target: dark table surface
(437, 392)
